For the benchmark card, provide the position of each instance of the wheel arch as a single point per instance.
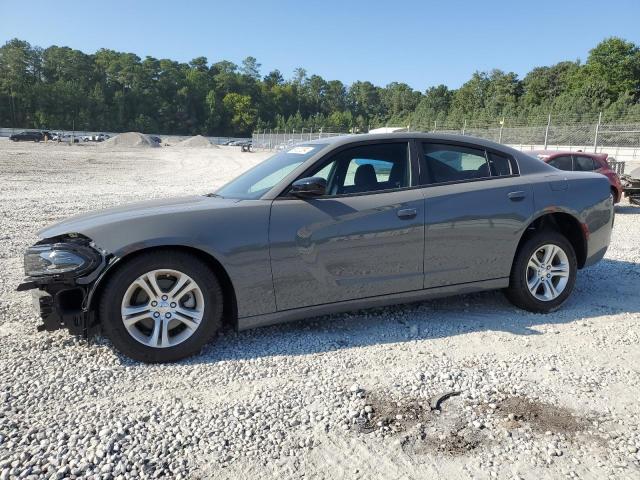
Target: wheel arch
(566, 224)
(230, 309)
(617, 194)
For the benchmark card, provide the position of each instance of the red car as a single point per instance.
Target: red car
(582, 162)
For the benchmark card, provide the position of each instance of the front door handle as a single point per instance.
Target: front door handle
(516, 196)
(407, 213)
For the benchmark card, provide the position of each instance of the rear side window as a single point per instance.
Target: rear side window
(584, 164)
(561, 163)
(448, 163)
(499, 165)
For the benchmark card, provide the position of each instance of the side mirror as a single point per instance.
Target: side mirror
(309, 187)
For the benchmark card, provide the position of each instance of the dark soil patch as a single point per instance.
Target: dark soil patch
(424, 430)
(397, 415)
(541, 416)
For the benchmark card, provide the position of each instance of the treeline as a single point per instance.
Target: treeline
(59, 87)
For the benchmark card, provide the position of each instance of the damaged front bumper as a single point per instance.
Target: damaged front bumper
(64, 300)
(61, 308)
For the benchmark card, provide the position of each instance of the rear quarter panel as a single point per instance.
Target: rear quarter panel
(585, 196)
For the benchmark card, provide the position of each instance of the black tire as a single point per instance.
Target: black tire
(113, 294)
(518, 291)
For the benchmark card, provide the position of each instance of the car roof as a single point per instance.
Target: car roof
(444, 137)
(558, 153)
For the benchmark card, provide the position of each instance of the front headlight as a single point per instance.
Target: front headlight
(59, 258)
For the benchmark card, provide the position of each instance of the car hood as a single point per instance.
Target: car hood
(87, 222)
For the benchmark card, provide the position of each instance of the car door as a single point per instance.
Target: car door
(477, 207)
(363, 238)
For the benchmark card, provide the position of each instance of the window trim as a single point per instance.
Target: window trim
(425, 180)
(326, 159)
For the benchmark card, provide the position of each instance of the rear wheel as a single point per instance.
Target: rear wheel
(161, 306)
(543, 273)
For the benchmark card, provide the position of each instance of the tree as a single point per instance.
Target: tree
(251, 68)
(59, 87)
(241, 114)
(273, 78)
(616, 63)
(433, 107)
(542, 85)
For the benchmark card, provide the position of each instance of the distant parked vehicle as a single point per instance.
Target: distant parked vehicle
(27, 137)
(246, 146)
(101, 137)
(237, 143)
(155, 139)
(583, 162)
(67, 137)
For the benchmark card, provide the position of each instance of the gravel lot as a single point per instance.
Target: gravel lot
(341, 397)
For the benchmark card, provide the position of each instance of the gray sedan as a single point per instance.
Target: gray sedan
(322, 227)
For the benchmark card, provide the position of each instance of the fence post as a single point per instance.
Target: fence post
(595, 139)
(546, 132)
(435, 125)
(501, 127)
(464, 126)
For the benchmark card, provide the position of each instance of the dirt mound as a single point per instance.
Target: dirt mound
(130, 139)
(197, 142)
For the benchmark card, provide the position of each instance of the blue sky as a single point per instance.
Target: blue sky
(422, 43)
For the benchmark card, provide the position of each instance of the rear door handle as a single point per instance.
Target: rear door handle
(407, 213)
(515, 196)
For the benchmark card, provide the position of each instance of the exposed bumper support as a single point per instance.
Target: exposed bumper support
(61, 306)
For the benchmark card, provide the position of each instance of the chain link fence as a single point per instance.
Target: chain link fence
(620, 139)
(275, 140)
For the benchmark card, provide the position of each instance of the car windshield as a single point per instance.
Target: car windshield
(260, 179)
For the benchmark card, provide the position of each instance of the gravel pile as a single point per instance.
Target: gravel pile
(352, 395)
(197, 142)
(129, 140)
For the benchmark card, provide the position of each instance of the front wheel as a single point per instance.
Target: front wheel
(543, 273)
(161, 306)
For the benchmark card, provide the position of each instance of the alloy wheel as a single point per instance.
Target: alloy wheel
(162, 308)
(547, 272)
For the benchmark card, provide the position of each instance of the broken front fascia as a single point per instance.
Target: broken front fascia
(62, 291)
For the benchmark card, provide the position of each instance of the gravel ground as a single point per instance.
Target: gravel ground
(346, 396)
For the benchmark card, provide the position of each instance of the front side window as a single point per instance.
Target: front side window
(366, 168)
(583, 164)
(562, 163)
(262, 178)
(449, 163)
